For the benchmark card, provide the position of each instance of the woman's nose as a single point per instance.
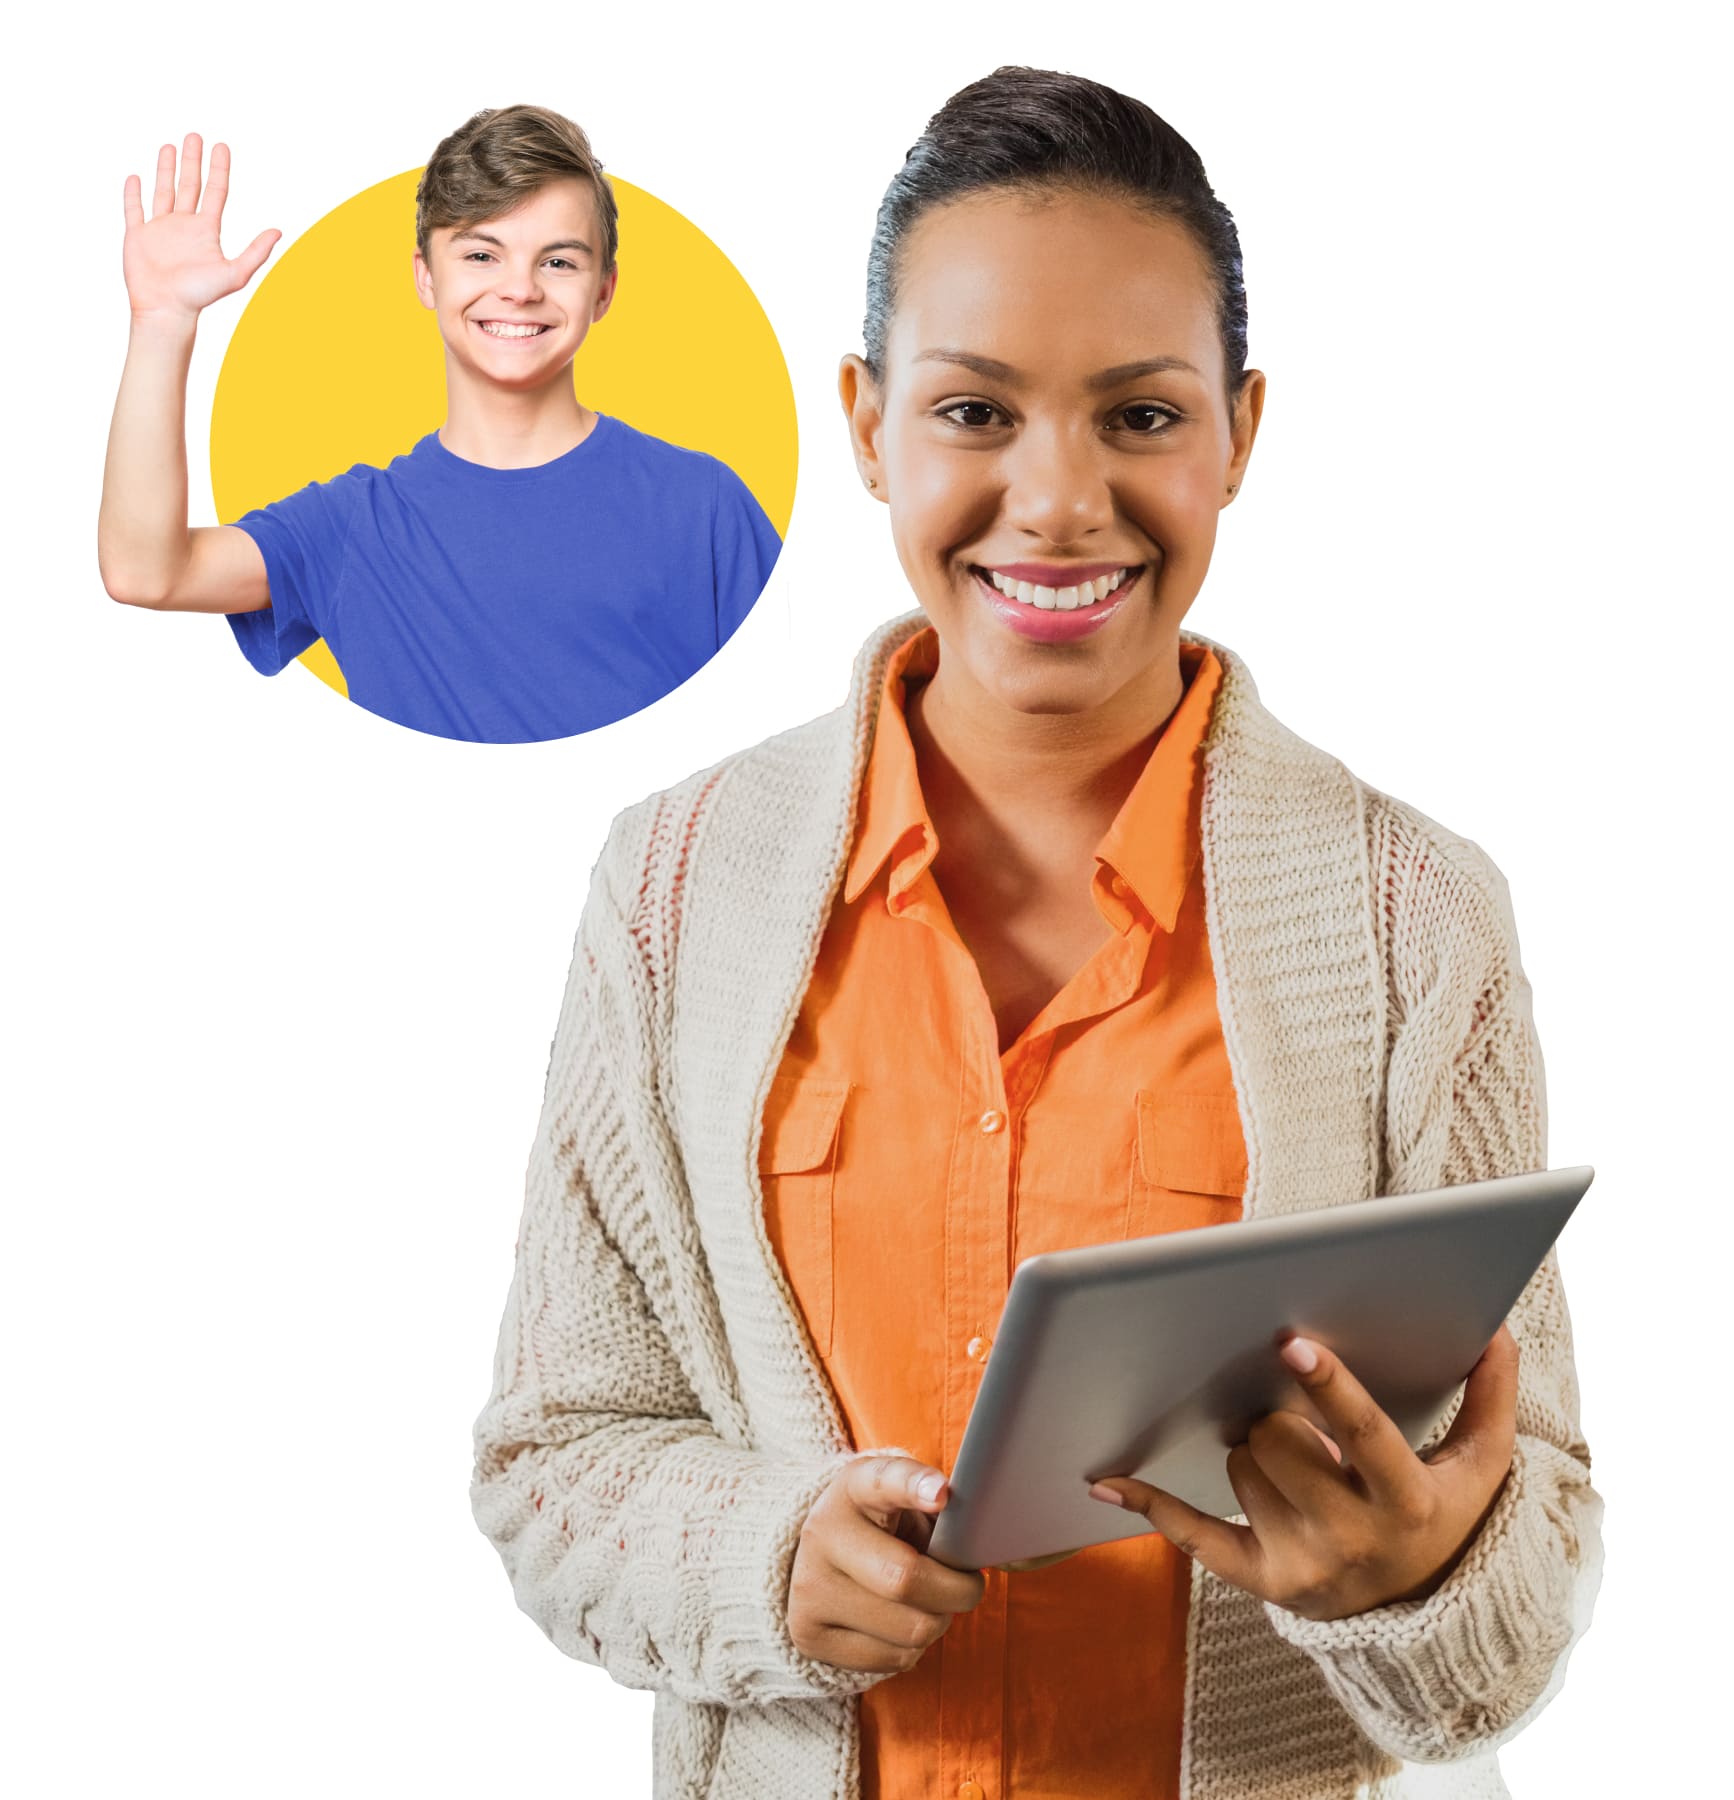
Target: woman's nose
(1056, 487)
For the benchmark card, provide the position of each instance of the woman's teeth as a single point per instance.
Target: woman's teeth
(1086, 593)
(495, 328)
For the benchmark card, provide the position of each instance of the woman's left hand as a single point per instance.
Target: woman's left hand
(1325, 1541)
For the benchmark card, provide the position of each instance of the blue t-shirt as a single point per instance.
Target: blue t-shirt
(505, 606)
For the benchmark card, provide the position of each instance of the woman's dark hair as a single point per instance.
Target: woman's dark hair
(1034, 129)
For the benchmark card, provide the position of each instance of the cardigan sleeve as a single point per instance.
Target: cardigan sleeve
(635, 1536)
(1464, 1670)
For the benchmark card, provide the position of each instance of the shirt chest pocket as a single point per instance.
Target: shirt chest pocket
(797, 1170)
(1188, 1164)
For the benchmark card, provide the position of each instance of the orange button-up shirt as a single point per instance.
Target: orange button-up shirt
(908, 1166)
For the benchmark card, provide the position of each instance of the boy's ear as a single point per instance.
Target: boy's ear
(423, 279)
(864, 409)
(605, 293)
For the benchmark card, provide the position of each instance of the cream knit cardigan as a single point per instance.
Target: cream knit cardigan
(659, 1426)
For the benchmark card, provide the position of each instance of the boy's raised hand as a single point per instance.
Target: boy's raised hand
(173, 261)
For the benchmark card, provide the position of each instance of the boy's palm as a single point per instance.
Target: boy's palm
(174, 261)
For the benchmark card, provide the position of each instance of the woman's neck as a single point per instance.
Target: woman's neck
(1074, 767)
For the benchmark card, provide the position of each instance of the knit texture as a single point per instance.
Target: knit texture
(659, 1427)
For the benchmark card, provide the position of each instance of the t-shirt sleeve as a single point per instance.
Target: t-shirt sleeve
(744, 549)
(302, 540)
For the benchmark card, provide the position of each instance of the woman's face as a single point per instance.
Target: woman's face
(1052, 414)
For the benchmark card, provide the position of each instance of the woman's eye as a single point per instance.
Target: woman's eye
(971, 414)
(1144, 419)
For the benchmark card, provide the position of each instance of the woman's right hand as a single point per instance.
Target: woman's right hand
(863, 1595)
(173, 262)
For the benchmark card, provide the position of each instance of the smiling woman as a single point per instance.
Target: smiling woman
(1051, 936)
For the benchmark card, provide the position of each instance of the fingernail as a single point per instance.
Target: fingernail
(1098, 1491)
(929, 1486)
(1300, 1355)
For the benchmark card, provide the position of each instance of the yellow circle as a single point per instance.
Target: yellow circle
(335, 361)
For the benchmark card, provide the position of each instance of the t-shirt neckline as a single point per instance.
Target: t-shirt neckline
(475, 471)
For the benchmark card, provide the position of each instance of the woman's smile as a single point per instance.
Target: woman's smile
(1052, 603)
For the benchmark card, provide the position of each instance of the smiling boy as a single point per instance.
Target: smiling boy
(531, 569)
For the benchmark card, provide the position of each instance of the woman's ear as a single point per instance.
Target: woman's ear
(859, 393)
(1243, 428)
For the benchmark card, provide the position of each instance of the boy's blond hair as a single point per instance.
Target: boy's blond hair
(496, 160)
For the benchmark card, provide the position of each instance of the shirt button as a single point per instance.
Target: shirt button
(971, 1790)
(992, 1122)
(1118, 885)
(977, 1348)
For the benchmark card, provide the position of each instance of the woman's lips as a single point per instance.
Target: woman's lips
(1049, 623)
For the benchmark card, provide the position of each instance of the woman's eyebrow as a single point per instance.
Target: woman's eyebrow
(1149, 365)
(995, 370)
(982, 365)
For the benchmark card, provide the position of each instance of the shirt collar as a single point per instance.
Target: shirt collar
(1151, 846)
(1153, 843)
(892, 808)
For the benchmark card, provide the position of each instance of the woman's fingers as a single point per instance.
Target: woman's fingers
(1231, 1551)
(1268, 1509)
(857, 1582)
(894, 1571)
(882, 1486)
(1485, 1428)
(1368, 1437)
(847, 1649)
(132, 202)
(1298, 1461)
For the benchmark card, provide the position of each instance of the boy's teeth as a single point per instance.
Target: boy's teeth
(495, 329)
(1086, 593)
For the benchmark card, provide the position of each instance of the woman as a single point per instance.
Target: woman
(1052, 934)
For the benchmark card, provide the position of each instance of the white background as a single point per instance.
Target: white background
(283, 976)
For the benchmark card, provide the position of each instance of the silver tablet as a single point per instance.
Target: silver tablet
(1151, 1357)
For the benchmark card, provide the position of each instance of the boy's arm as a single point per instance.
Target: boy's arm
(174, 267)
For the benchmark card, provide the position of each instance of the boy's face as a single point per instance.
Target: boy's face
(515, 296)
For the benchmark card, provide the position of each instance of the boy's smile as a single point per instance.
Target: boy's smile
(516, 295)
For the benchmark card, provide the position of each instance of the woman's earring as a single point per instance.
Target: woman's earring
(871, 482)
(1232, 486)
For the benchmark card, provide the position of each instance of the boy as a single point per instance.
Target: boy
(531, 569)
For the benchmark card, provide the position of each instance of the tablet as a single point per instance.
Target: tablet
(1152, 1356)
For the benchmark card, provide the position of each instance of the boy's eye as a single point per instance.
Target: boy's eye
(1143, 419)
